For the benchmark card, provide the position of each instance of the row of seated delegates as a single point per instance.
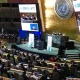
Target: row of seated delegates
(46, 75)
(57, 33)
(55, 59)
(61, 65)
(34, 75)
(27, 58)
(7, 36)
(73, 79)
(57, 66)
(4, 78)
(29, 17)
(30, 55)
(23, 41)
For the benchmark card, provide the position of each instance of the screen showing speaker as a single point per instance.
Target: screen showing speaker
(39, 44)
(56, 39)
(28, 14)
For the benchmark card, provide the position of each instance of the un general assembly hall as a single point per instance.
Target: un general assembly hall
(39, 39)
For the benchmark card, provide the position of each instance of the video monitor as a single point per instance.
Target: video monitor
(29, 19)
(56, 39)
(76, 5)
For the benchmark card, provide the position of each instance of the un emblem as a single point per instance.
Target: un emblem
(62, 9)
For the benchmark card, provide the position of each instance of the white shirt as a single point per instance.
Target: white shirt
(35, 77)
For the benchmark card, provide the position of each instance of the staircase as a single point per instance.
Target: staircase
(74, 53)
(73, 56)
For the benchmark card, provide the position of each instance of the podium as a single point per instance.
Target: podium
(18, 40)
(39, 44)
(69, 45)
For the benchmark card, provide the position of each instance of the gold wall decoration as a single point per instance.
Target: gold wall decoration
(53, 23)
(42, 14)
(63, 8)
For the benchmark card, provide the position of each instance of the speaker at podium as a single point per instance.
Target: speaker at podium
(39, 44)
(61, 51)
(18, 40)
(69, 45)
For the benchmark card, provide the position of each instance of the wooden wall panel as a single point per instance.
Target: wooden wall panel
(14, 1)
(22, 1)
(42, 13)
(29, 1)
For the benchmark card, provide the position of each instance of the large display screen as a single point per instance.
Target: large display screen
(76, 5)
(28, 14)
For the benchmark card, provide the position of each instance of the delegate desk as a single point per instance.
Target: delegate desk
(4, 78)
(72, 78)
(58, 39)
(20, 72)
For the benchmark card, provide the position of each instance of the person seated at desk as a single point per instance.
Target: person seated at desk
(12, 77)
(29, 68)
(1, 78)
(8, 56)
(57, 59)
(34, 75)
(51, 59)
(38, 63)
(22, 66)
(25, 76)
(19, 58)
(0, 65)
(43, 63)
(55, 74)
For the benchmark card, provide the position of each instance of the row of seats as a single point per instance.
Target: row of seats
(9, 12)
(19, 61)
(4, 78)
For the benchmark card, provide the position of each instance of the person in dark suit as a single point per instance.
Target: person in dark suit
(61, 51)
(55, 75)
(43, 63)
(73, 70)
(23, 68)
(24, 76)
(8, 56)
